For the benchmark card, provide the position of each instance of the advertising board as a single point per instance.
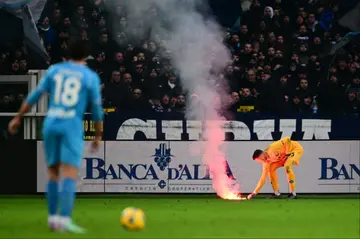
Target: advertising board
(252, 126)
(176, 167)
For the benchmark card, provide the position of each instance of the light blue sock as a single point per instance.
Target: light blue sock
(67, 197)
(52, 197)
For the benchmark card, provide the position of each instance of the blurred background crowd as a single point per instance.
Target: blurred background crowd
(279, 49)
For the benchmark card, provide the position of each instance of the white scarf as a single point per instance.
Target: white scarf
(172, 86)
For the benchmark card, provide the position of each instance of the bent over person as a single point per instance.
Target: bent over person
(282, 153)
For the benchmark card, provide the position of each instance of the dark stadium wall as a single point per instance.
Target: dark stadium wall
(18, 166)
(226, 12)
(11, 30)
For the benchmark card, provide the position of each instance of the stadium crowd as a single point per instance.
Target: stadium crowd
(278, 47)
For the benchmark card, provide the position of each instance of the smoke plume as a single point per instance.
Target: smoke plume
(195, 42)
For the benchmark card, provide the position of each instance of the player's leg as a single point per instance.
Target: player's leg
(290, 162)
(274, 178)
(51, 145)
(52, 195)
(291, 177)
(71, 155)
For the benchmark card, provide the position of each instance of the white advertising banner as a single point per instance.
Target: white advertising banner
(176, 167)
(83, 185)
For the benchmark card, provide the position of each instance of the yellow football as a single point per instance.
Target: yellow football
(132, 219)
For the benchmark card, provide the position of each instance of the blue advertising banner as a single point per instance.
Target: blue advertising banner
(248, 126)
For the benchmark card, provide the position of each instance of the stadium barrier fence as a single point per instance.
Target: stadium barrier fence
(175, 167)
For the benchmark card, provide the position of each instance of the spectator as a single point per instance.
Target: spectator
(138, 102)
(104, 44)
(15, 68)
(23, 68)
(279, 60)
(156, 104)
(98, 64)
(303, 90)
(79, 20)
(172, 87)
(247, 101)
(331, 96)
(355, 83)
(153, 83)
(113, 90)
(140, 71)
(166, 104)
(353, 103)
(234, 102)
(180, 104)
(250, 81)
(8, 103)
(245, 35)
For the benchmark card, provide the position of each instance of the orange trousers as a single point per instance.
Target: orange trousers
(292, 159)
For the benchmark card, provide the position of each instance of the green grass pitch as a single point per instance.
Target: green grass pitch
(190, 217)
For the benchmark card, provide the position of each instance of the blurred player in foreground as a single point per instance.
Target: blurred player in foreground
(282, 153)
(71, 86)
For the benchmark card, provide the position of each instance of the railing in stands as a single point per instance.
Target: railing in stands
(32, 79)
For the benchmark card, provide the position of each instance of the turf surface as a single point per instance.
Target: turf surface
(190, 217)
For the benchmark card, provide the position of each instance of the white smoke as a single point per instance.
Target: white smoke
(195, 42)
(198, 53)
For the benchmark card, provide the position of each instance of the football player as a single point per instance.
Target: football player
(283, 153)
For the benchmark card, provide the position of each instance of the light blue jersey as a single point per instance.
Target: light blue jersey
(71, 87)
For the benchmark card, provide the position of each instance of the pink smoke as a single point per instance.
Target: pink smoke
(215, 159)
(213, 145)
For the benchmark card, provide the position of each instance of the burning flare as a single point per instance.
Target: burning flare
(214, 158)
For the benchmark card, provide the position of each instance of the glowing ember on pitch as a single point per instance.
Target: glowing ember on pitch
(233, 196)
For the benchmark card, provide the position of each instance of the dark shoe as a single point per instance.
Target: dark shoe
(274, 196)
(292, 196)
